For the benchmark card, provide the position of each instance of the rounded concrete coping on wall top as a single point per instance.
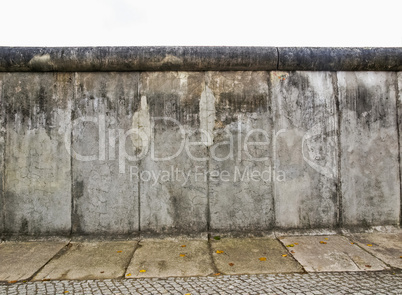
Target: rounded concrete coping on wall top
(151, 58)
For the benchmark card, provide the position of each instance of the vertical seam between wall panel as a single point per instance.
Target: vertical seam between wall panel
(208, 195)
(208, 167)
(339, 152)
(71, 155)
(140, 161)
(3, 207)
(399, 146)
(273, 142)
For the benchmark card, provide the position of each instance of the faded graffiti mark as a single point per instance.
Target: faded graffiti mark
(319, 146)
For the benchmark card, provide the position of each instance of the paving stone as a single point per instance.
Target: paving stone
(247, 256)
(89, 260)
(385, 246)
(330, 253)
(21, 260)
(167, 258)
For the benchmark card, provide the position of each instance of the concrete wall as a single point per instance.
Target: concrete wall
(194, 151)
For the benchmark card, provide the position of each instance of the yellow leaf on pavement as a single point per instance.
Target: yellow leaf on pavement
(284, 255)
(219, 251)
(182, 255)
(322, 242)
(369, 245)
(263, 259)
(143, 270)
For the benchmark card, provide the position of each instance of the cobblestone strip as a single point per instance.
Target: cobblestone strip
(306, 284)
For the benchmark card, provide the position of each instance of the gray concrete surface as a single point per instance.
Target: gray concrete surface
(305, 149)
(198, 58)
(330, 253)
(170, 258)
(252, 256)
(105, 201)
(21, 260)
(369, 152)
(2, 152)
(399, 120)
(240, 165)
(339, 59)
(385, 246)
(37, 167)
(89, 260)
(172, 197)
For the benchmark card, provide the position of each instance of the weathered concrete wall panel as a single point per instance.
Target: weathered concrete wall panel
(2, 147)
(105, 198)
(37, 188)
(305, 148)
(399, 110)
(181, 152)
(173, 196)
(369, 147)
(240, 152)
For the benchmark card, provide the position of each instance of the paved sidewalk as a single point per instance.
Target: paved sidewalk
(222, 261)
(290, 284)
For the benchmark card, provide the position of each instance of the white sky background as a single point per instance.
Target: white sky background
(206, 22)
